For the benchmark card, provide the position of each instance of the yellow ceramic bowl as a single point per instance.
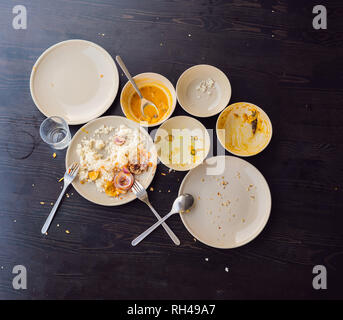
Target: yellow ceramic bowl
(148, 79)
(244, 129)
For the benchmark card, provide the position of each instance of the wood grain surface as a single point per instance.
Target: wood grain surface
(273, 58)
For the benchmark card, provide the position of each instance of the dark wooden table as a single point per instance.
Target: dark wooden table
(273, 58)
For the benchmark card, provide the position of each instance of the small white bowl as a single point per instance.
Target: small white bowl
(143, 79)
(194, 133)
(201, 99)
(74, 79)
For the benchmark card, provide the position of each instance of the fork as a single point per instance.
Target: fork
(69, 176)
(142, 195)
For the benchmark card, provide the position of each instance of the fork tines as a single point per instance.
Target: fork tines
(73, 168)
(136, 187)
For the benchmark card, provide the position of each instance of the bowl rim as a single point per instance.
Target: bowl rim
(202, 127)
(197, 114)
(238, 154)
(173, 93)
(61, 43)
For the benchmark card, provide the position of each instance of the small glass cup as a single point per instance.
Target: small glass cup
(55, 132)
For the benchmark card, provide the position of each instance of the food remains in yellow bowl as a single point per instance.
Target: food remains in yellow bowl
(155, 95)
(113, 164)
(244, 129)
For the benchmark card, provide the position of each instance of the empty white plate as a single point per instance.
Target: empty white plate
(232, 202)
(74, 79)
(203, 90)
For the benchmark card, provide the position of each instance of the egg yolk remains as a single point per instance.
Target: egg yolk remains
(155, 95)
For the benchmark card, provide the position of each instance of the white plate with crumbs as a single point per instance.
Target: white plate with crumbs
(109, 143)
(232, 202)
(74, 79)
(203, 90)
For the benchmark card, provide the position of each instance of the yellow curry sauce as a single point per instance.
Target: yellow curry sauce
(245, 129)
(155, 95)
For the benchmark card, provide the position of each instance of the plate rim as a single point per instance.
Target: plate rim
(84, 127)
(114, 89)
(199, 114)
(256, 233)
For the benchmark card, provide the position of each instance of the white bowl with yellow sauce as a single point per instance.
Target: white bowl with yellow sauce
(155, 88)
(182, 143)
(244, 129)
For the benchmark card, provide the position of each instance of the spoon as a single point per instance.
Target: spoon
(144, 102)
(181, 204)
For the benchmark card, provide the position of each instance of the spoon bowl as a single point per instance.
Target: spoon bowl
(145, 103)
(183, 203)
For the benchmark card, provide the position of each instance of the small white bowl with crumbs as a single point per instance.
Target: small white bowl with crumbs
(113, 152)
(203, 90)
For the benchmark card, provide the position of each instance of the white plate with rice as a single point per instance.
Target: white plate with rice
(106, 147)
